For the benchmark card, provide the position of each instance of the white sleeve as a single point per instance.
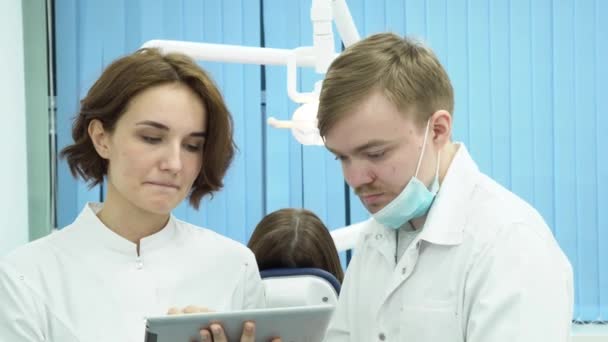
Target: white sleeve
(520, 289)
(254, 294)
(340, 326)
(20, 315)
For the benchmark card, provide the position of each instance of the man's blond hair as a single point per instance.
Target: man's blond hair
(405, 71)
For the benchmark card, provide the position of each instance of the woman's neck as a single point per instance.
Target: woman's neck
(130, 222)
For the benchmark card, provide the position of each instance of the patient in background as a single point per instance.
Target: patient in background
(290, 238)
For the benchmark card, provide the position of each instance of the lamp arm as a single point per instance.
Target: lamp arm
(322, 12)
(231, 53)
(344, 23)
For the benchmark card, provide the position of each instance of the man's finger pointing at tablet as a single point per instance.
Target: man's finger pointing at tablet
(205, 335)
(248, 332)
(218, 333)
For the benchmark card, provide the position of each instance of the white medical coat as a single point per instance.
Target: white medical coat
(485, 268)
(85, 283)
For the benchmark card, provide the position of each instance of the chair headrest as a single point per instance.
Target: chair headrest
(285, 272)
(299, 287)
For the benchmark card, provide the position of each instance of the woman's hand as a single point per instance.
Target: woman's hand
(190, 309)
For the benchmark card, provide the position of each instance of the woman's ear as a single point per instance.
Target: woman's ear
(100, 138)
(441, 127)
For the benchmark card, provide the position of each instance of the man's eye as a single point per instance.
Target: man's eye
(375, 155)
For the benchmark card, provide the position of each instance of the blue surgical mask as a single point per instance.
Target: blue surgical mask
(414, 200)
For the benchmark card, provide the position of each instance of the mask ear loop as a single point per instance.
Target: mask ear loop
(438, 163)
(435, 185)
(426, 133)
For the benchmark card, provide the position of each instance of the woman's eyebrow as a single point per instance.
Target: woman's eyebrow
(201, 134)
(159, 125)
(153, 124)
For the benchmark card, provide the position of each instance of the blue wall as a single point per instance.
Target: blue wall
(527, 76)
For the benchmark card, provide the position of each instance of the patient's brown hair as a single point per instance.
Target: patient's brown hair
(290, 238)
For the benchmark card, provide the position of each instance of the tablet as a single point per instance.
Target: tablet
(292, 324)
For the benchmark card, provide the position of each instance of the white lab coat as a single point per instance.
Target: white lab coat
(86, 283)
(485, 268)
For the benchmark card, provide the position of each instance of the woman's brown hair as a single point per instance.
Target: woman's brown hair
(109, 98)
(290, 238)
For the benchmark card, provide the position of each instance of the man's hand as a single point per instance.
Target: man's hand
(215, 333)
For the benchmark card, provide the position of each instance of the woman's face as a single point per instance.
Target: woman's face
(155, 152)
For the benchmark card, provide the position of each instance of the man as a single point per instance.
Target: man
(449, 255)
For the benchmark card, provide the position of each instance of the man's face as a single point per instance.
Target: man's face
(379, 147)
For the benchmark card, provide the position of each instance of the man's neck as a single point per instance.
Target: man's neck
(447, 155)
(418, 223)
(448, 152)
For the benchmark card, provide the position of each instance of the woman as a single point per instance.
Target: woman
(157, 129)
(289, 238)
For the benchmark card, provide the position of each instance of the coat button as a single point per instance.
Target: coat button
(382, 337)
(404, 270)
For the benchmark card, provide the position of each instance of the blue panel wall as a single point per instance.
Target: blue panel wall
(586, 153)
(528, 77)
(600, 38)
(284, 183)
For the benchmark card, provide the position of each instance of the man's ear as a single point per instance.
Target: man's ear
(100, 138)
(441, 127)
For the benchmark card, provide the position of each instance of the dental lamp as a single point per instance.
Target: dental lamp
(303, 124)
